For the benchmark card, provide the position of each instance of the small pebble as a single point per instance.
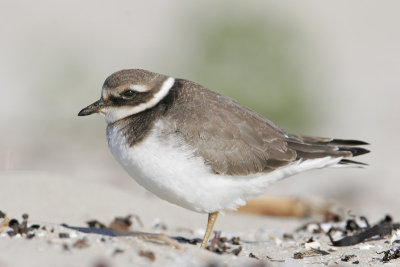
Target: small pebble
(63, 235)
(147, 254)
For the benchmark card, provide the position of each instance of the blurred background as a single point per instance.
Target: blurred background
(318, 68)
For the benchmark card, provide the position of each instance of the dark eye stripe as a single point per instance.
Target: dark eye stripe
(128, 93)
(128, 99)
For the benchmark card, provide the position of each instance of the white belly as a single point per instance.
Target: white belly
(168, 168)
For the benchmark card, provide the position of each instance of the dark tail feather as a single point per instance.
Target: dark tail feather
(308, 147)
(331, 141)
(344, 142)
(349, 161)
(355, 151)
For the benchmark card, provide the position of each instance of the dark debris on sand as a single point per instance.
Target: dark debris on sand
(147, 254)
(220, 245)
(391, 254)
(120, 224)
(355, 231)
(354, 234)
(341, 233)
(310, 252)
(22, 228)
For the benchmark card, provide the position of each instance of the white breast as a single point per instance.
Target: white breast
(167, 167)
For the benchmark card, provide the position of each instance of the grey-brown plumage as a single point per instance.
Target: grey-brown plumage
(188, 145)
(232, 139)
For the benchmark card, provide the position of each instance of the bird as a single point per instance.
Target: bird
(200, 150)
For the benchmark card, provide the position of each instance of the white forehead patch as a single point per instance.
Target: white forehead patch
(113, 114)
(139, 88)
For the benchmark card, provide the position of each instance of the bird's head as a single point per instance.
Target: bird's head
(128, 92)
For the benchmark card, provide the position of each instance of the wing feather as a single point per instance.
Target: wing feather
(231, 139)
(234, 140)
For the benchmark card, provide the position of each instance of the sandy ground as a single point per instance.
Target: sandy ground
(52, 202)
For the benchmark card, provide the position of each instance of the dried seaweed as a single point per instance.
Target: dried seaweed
(22, 228)
(353, 233)
(96, 224)
(346, 258)
(120, 224)
(219, 244)
(391, 254)
(184, 240)
(360, 234)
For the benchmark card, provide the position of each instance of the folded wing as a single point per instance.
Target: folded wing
(234, 140)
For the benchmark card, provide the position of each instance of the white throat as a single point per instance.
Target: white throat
(113, 114)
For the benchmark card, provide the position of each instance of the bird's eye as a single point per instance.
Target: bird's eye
(128, 93)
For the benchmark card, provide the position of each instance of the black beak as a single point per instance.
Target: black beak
(93, 108)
